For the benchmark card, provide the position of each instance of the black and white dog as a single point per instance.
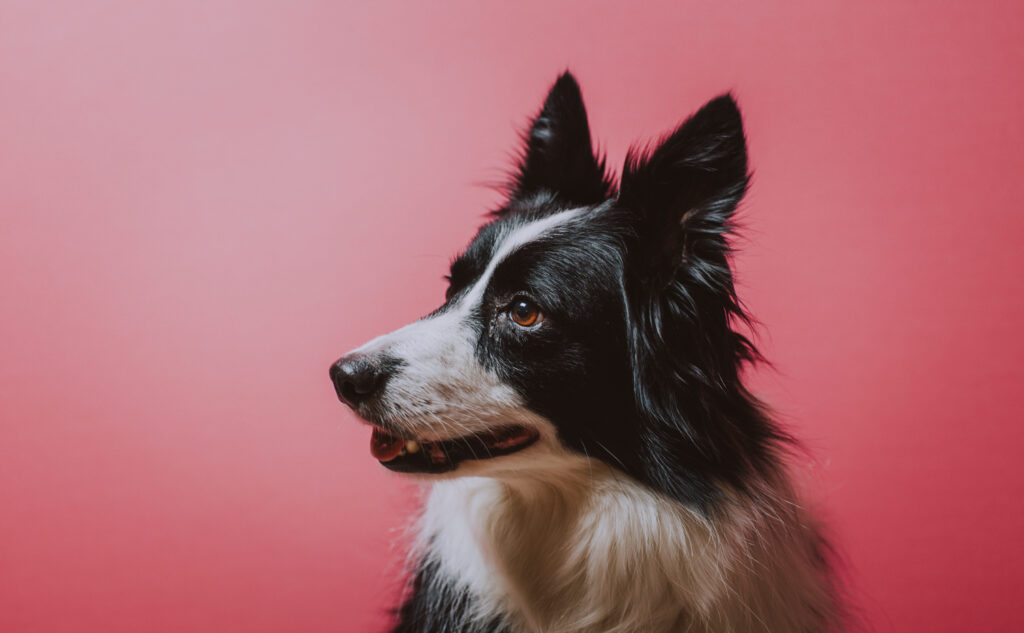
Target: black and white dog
(577, 405)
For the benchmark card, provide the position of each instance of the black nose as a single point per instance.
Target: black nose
(357, 378)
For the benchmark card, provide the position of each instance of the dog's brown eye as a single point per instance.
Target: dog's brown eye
(524, 312)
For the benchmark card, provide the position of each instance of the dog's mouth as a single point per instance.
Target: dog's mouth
(438, 456)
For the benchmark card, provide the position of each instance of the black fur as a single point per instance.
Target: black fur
(434, 606)
(701, 425)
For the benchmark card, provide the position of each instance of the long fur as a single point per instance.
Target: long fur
(587, 549)
(654, 496)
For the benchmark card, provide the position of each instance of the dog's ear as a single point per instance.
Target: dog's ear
(702, 425)
(557, 159)
(682, 194)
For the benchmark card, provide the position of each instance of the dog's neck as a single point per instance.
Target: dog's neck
(593, 550)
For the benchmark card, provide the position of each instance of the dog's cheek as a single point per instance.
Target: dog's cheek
(444, 387)
(542, 368)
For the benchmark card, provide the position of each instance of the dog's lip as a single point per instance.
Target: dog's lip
(385, 446)
(421, 455)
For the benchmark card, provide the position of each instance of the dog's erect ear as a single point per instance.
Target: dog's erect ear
(558, 159)
(683, 193)
(679, 198)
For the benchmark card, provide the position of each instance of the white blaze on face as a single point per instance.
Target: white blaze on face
(510, 243)
(441, 390)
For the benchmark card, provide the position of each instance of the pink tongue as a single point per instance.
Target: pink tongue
(384, 446)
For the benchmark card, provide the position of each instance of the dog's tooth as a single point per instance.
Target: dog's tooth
(412, 447)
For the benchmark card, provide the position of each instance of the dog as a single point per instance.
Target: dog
(576, 404)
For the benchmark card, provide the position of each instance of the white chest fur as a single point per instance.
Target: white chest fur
(593, 550)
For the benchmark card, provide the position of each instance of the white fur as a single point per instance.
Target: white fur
(571, 545)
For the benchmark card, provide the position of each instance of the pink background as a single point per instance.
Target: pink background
(204, 203)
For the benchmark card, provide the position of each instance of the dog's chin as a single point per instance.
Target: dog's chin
(438, 456)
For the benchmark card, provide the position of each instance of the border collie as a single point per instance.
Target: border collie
(596, 462)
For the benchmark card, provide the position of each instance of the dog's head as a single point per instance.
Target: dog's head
(585, 320)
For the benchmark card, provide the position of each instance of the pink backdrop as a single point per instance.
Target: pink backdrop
(203, 203)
